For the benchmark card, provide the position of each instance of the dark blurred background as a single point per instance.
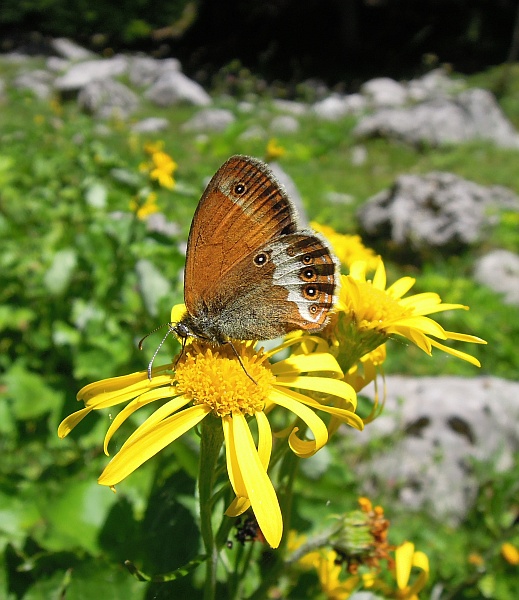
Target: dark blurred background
(344, 41)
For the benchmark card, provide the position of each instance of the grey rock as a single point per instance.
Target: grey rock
(39, 82)
(471, 115)
(210, 119)
(291, 189)
(284, 124)
(384, 91)
(157, 223)
(56, 64)
(297, 109)
(437, 209)
(499, 270)
(70, 50)
(145, 70)
(81, 74)
(435, 84)
(108, 99)
(358, 156)
(337, 106)
(150, 125)
(173, 87)
(254, 132)
(446, 423)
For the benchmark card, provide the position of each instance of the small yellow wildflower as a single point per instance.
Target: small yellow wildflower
(510, 553)
(162, 169)
(147, 208)
(274, 150)
(368, 314)
(210, 382)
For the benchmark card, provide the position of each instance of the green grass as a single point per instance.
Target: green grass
(73, 305)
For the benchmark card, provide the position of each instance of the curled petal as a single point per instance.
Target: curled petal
(315, 424)
(344, 415)
(135, 452)
(68, 424)
(404, 562)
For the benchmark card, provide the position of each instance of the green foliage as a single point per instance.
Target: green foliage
(130, 21)
(83, 279)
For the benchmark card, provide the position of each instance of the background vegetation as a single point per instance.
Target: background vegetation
(82, 279)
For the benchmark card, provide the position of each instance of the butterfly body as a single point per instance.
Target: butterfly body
(251, 274)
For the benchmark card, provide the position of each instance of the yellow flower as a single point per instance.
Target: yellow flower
(329, 572)
(274, 150)
(147, 208)
(405, 559)
(348, 248)
(152, 147)
(368, 314)
(510, 553)
(209, 382)
(162, 169)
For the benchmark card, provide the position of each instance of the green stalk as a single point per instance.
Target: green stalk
(211, 443)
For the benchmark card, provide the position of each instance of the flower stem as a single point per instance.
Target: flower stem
(211, 442)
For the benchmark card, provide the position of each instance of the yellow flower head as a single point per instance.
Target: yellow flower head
(162, 169)
(348, 248)
(274, 150)
(510, 553)
(368, 314)
(145, 209)
(209, 382)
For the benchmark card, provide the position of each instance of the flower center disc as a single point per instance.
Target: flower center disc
(215, 377)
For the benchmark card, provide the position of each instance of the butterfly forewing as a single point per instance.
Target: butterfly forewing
(242, 208)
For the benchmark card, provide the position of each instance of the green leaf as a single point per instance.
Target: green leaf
(31, 397)
(75, 517)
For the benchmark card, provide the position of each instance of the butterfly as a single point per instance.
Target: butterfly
(251, 273)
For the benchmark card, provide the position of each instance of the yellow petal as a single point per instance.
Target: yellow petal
(318, 428)
(463, 337)
(404, 562)
(346, 416)
(142, 400)
(456, 353)
(264, 439)
(238, 506)
(379, 280)
(400, 287)
(131, 456)
(260, 490)
(233, 469)
(307, 363)
(177, 312)
(324, 385)
(68, 423)
(103, 395)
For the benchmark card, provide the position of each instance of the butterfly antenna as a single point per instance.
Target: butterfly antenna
(150, 365)
(151, 332)
(239, 360)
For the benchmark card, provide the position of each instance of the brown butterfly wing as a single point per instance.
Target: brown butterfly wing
(242, 208)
